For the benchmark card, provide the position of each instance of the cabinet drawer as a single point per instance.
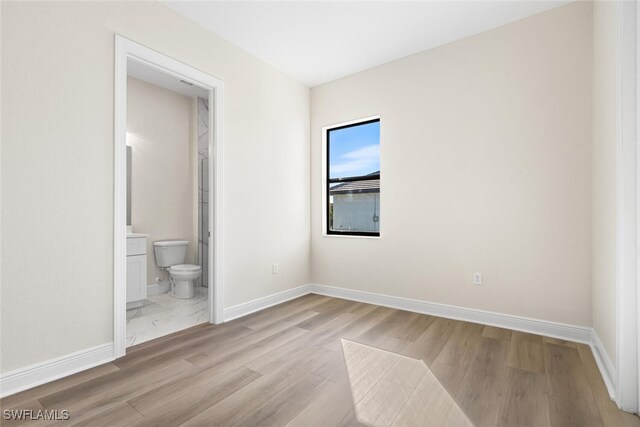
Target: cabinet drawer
(136, 246)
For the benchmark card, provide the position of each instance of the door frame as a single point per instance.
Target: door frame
(627, 375)
(126, 50)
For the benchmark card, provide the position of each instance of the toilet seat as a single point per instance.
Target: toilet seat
(186, 268)
(185, 271)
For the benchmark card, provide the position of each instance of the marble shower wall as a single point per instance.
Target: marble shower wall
(203, 189)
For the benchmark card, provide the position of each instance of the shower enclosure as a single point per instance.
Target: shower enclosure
(203, 190)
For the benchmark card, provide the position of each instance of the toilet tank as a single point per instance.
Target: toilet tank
(170, 252)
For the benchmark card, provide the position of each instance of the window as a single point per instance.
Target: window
(353, 179)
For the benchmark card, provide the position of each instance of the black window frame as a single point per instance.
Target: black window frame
(329, 181)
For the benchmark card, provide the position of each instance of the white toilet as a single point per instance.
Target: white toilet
(170, 255)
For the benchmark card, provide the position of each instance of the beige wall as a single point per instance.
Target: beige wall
(493, 134)
(57, 168)
(161, 133)
(605, 134)
(486, 166)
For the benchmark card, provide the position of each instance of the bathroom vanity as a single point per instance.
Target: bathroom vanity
(136, 269)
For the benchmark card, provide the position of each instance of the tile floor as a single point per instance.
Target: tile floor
(163, 314)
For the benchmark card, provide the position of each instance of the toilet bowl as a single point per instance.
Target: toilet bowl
(183, 278)
(170, 255)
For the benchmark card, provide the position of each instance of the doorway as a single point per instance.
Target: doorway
(163, 71)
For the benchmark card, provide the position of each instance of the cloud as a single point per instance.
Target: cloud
(363, 160)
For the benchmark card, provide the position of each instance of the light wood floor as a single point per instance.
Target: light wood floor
(319, 361)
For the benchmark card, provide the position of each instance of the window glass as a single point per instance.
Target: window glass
(353, 184)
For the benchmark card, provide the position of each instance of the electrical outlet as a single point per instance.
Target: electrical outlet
(477, 278)
(274, 268)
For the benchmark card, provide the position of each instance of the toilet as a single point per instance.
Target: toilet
(170, 256)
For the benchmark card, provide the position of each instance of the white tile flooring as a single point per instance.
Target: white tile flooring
(163, 314)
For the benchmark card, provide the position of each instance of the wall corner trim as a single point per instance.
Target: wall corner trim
(40, 373)
(605, 365)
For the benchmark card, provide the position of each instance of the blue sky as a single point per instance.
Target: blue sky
(355, 150)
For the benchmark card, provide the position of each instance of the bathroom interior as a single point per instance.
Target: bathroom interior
(167, 204)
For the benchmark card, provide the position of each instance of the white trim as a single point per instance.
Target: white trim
(636, 75)
(40, 373)
(128, 50)
(582, 334)
(605, 365)
(120, 200)
(22, 379)
(637, 197)
(626, 379)
(637, 201)
(563, 331)
(258, 304)
(216, 203)
(323, 168)
(347, 236)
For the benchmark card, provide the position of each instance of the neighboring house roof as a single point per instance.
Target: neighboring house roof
(368, 186)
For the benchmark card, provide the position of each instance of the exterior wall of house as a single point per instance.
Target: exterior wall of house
(356, 212)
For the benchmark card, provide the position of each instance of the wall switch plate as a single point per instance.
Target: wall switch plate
(477, 278)
(274, 268)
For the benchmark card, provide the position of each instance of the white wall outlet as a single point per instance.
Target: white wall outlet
(274, 268)
(477, 278)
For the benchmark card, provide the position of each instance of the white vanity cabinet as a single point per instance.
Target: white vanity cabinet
(136, 270)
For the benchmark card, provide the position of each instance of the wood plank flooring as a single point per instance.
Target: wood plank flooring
(320, 361)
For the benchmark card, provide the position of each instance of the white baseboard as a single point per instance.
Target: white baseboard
(547, 328)
(158, 288)
(31, 376)
(264, 302)
(40, 373)
(563, 331)
(607, 369)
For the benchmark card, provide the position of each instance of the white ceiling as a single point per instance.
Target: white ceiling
(156, 77)
(319, 41)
